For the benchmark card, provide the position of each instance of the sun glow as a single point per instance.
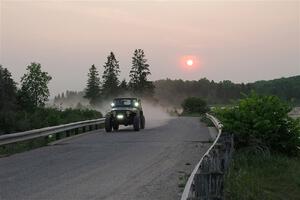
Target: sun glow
(189, 63)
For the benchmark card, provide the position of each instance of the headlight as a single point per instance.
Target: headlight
(120, 116)
(136, 104)
(112, 104)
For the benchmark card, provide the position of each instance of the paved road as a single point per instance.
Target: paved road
(126, 165)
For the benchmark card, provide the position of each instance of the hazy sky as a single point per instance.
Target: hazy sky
(242, 41)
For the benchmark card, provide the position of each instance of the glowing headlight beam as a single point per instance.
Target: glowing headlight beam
(136, 104)
(112, 104)
(120, 116)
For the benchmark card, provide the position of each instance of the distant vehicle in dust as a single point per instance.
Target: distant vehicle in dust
(125, 111)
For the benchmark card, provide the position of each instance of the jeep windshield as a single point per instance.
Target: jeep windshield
(123, 102)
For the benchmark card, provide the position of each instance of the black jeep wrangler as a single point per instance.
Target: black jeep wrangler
(125, 111)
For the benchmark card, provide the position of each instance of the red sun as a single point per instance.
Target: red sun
(189, 63)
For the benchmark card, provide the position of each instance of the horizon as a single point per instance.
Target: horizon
(242, 42)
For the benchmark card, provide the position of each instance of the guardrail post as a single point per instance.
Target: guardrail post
(57, 136)
(202, 182)
(46, 139)
(68, 133)
(83, 129)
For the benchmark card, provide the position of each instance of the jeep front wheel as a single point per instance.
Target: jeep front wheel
(136, 123)
(108, 124)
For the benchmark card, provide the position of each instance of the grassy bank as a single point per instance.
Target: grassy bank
(263, 176)
(44, 117)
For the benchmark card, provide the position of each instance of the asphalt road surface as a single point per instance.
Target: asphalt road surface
(124, 165)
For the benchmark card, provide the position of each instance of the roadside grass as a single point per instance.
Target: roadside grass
(44, 117)
(206, 121)
(182, 180)
(18, 147)
(263, 176)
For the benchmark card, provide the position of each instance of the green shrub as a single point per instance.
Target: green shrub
(194, 105)
(262, 121)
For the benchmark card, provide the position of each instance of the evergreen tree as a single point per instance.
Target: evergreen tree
(123, 86)
(92, 91)
(8, 103)
(139, 83)
(8, 89)
(110, 77)
(34, 90)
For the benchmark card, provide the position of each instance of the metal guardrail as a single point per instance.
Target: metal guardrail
(43, 132)
(206, 180)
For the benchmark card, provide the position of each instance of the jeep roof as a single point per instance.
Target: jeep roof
(125, 102)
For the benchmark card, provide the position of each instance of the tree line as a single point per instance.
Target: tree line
(173, 92)
(98, 90)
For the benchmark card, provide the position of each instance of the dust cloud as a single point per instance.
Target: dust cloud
(155, 114)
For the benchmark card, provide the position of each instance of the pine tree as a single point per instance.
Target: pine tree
(123, 86)
(8, 89)
(139, 83)
(8, 100)
(111, 72)
(92, 91)
(34, 90)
